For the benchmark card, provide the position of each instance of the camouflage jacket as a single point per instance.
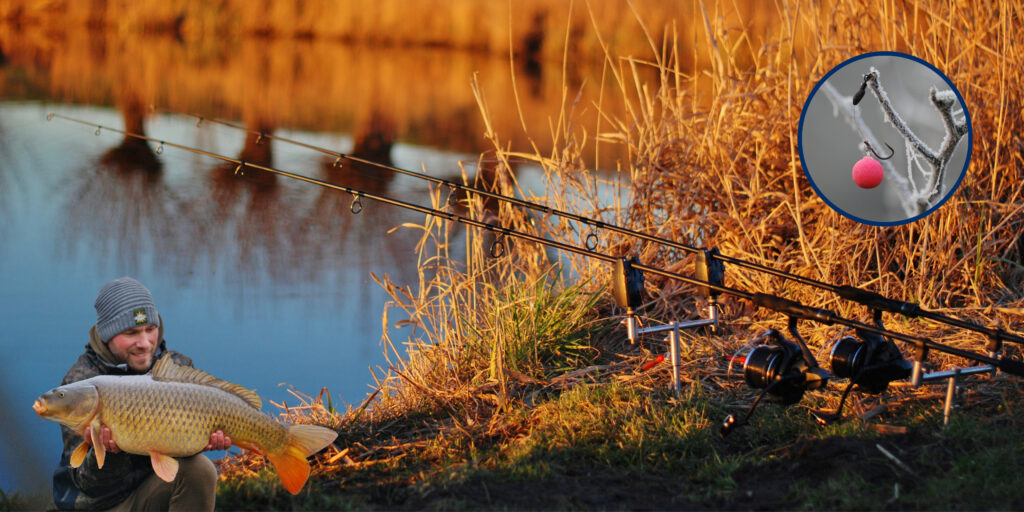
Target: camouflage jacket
(88, 487)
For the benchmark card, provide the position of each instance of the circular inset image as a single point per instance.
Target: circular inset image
(885, 138)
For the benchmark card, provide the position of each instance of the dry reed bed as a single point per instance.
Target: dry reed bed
(534, 28)
(735, 158)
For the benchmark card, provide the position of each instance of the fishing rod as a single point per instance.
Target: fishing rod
(867, 298)
(783, 368)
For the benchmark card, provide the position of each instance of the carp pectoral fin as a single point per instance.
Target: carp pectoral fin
(165, 466)
(97, 444)
(78, 457)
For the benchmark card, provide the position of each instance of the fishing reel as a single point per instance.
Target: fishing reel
(870, 361)
(779, 369)
(784, 369)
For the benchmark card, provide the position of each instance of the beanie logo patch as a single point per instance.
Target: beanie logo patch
(140, 316)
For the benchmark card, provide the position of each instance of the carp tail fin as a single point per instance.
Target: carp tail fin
(290, 462)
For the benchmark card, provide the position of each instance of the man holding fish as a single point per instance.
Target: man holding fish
(135, 417)
(126, 340)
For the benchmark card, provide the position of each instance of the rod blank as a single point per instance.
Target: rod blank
(868, 298)
(793, 309)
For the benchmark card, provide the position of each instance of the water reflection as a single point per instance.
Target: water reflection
(317, 85)
(250, 224)
(121, 208)
(373, 143)
(256, 150)
(6, 177)
(133, 154)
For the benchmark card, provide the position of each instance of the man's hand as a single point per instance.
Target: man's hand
(108, 440)
(218, 441)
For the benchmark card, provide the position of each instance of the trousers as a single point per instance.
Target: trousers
(193, 489)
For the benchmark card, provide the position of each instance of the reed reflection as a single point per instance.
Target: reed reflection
(373, 142)
(258, 150)
(316, 85)
(121, 210)
(133, 154)
(361, 224)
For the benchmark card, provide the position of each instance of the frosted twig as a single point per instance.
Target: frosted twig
(871, 78)
(944, 102)
(915, 197)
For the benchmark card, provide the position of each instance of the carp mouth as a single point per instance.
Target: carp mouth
(39, 407)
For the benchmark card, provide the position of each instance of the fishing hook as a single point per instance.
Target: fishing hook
(160, 148)
(259, 138)
(239, 170)
(873, 152)
(357, 205)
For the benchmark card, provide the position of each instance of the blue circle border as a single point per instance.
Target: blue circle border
(967, 117)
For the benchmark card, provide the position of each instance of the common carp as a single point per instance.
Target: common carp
(171, 412)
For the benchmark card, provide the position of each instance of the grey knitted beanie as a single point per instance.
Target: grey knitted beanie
(122, 304)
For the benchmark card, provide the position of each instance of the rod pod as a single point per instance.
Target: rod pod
(627, 290)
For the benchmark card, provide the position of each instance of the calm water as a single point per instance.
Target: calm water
(261, 284)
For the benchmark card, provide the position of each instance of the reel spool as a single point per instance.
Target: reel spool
(779, 368)
(871, 362)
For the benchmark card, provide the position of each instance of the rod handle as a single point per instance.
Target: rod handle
(1011, 366)
(876, 301)
(793, 309)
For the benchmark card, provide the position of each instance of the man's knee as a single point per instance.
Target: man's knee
(197, 470)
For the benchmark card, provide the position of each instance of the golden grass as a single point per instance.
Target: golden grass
(713, 160)
(725, 140)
